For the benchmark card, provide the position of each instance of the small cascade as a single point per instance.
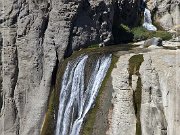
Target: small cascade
(76, 98)
(148, 21)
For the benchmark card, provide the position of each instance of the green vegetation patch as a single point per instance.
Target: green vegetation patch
(124, 34)
(49, 122)
(90, 120)
(137, 105)
(134, 65)
(140, 33)
(93, 46)
(158, 26)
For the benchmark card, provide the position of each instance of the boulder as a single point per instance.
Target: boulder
(155, 41)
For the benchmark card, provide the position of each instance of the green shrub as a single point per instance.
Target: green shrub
(140, 33)
(125, 27)
(162, 34)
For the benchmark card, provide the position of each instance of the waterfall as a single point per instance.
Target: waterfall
(76, 99)
(147, 21)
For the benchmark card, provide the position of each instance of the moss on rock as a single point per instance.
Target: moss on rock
(89, 122)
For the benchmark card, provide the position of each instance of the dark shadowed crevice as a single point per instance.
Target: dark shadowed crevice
(82, 6)
(119, 33)
(137, 105)
(16, 73)
(1, 101)
(44, 26)
(134, 66)
(1, 79)
(54, 73)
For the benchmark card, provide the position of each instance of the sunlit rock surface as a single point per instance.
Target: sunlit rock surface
(160, 96)
(166, 12)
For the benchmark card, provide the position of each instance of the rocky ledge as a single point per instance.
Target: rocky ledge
(145, 94)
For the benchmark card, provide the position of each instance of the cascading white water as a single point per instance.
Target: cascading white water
(147, 21)
(75, 100)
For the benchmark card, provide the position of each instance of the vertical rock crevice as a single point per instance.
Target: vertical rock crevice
(134, 66)
(122, 118)
(1, 79)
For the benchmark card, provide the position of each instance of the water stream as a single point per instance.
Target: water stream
(148, 21)
(76, 99)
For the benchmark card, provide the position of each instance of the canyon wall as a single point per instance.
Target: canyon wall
(36, 36)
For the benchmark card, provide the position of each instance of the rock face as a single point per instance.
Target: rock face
(37, 34)
(122, 119)
(167, 12)
(93, 24)
(159, 95)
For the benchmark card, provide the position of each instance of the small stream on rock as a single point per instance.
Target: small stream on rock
(77, 97)
(148, 21)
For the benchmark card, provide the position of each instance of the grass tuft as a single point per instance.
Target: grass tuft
(140, 33)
